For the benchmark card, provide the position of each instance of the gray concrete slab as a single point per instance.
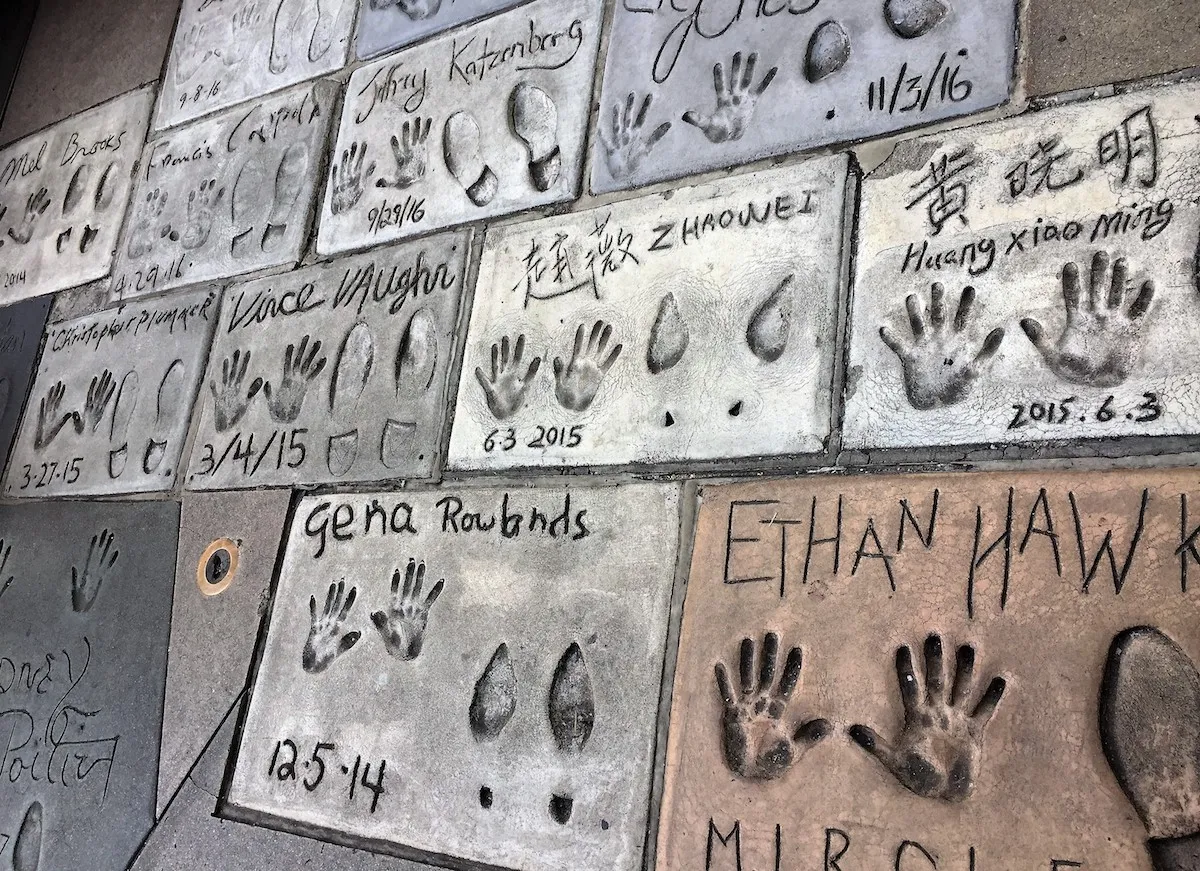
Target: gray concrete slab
(1034, 279)
(333, 373)
(21, 328)
(493, 655)
(86, 598)
(484, 121)
(694, 325)
(384, 25)
(112, 399)
(225, 196)
(689, 88)
(81, 54)
(229, 52)
(63, 194)
(227, 548)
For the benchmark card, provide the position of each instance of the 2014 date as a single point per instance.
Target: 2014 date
(288, 757)
(1067, 410)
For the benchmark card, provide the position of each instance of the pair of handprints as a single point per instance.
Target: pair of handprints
(937, 754)
(401, 625)
(303, 363)
(1099, 346)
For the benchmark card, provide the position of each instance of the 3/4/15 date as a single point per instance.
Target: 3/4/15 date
(1070, 410)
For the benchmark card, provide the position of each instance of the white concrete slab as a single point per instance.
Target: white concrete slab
(225, 196)
(227, 52)
(63, 193)
(333, 373)
(112, 399)
(1076, 229)
(695, 86)
(484, 121)
(469, 673)
(384, 25)
(696, 325)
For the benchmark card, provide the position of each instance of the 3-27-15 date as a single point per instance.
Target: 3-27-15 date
(1070, 410)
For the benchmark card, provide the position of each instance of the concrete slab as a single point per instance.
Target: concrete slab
(225, 196)
(63, 194)
(111, 403)
(290, 397)
(1077, 44)
(226, 53)
(86, 593)
(384, 25)
(499, 674)
(946, 672)
(689, 88)
(227, 548)
(693, 325)
(488, 120)
(1066, 244)
(21, 328)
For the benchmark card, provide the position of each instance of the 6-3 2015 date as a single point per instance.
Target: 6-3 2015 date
(1069, 410)
(507, 438)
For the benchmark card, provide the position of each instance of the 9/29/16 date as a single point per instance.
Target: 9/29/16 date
(1070, 410)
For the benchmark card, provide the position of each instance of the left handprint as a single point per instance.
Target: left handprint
(50, 423)
(326, 641)
(86, 583)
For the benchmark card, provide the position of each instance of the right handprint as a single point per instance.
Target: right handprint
(940, 748)
(1103, 336)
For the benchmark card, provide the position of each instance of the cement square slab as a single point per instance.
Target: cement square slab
(237, 50)
(950, 671)
(21, 328)
(112, 399)
(484, 121)
(226, 558)
(333, 373)
(384, 25)
(1066, 244)
(86, 596)
(63, 193)
(229, 195)
(492, 696)
(693, 325)
(690, 87)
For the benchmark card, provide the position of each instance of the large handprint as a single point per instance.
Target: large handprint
(37, 204)
(505, 389)
(346, 188)
(735, 100)
(326, 641)
(411, 154)
(758, 743)
(86, 582)
(576, 381)
(939, 365)
(229, 404)
(402, 625)
(625, 147)
(300, 368)
(940, 748)
(1102, 339)
(49, 421)
(100, 393)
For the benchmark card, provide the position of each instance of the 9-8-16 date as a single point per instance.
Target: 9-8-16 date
(1068, 410)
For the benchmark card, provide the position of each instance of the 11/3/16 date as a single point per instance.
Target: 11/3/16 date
(324, 760)
(1069, 410)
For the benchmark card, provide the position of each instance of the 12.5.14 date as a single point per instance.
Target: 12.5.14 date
(1070, 410)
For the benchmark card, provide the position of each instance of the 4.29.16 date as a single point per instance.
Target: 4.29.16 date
(1066, 410)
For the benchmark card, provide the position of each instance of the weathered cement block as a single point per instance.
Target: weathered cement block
(229, 52)
(1032, 279)
(225, 196)
(333, 373)
(21, 328)
(111, 403)
(484, 121)
(903, 672)
(86, 592)
(384, 25)
(478, 677)
(688, 87)
(63, 194)
(227, 548)
(697, 325)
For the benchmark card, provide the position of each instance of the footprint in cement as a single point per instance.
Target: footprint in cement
(75, 189)
(668, 337)
(398, 443)
(289, 178)
(495, 697)
(245, 204)
(118, 441)
(417, 355)
(534, 119)
(462, 151)
(351, 372)
(571, 707)
(27, 847)
(106, 189)
(171, 395)
(87, 237)
(767, 332)
(828, 51)
(910, 19)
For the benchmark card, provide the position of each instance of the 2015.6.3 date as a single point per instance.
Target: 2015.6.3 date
(39, 475)
(507, 438)
(1070, 410)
